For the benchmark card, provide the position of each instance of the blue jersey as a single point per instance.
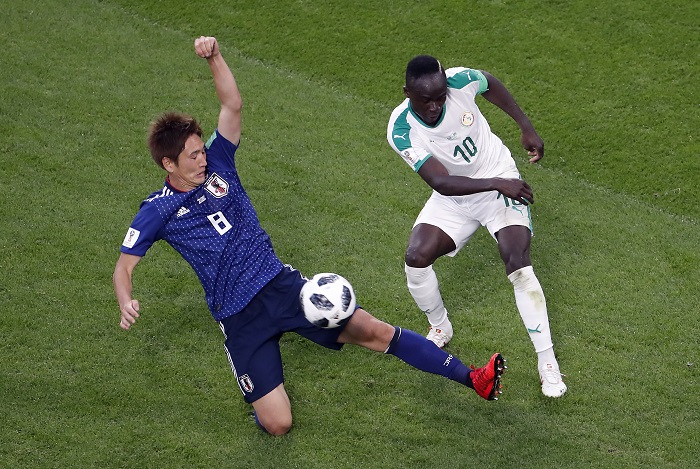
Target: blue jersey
(215, 228)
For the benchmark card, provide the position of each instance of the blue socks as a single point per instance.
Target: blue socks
(257, 422)
(424, 355)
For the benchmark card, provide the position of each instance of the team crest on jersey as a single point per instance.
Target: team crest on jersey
(246, 383)
(467, 119)
(216, 186)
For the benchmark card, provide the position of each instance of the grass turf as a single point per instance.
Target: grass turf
(612, 90)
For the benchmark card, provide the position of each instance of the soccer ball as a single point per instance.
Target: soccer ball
(328, 300)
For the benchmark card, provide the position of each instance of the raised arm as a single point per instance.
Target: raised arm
(122, 288)
(499, 95)
(226, 88)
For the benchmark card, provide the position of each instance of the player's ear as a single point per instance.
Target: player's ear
(168, 164)
(406, 92)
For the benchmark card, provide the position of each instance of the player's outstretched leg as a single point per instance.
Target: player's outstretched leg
(487, 379)
(422, 354)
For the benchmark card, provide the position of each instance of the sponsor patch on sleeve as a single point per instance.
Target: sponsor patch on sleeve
(131, 237)
(410, 156)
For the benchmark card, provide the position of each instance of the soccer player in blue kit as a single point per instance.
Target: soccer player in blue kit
(204, 213)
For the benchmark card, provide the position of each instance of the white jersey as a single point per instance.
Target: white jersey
(461, 140)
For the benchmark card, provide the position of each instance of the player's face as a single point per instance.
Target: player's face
(427, 96)
(191, 167)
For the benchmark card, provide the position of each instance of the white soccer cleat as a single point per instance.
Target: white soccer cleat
(440, 335)
(551, 379)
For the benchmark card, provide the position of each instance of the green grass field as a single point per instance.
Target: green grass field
(612, 87)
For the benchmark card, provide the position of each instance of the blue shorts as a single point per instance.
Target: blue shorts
(253, 335)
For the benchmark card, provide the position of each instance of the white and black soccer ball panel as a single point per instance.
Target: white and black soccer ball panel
(328, 300)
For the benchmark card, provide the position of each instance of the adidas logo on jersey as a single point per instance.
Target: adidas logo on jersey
(182, 211)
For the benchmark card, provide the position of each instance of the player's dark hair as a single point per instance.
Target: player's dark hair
(420, 66)
(167, 135)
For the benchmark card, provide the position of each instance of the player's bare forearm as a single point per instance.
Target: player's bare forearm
(128, 307)
(229, 124)
(226, 86)
(499, 95)
(436, 176)
(459, 185)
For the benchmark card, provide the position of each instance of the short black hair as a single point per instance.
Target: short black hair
(422, 65)
(167, 135)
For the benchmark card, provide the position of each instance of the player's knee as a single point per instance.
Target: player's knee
(279, 430)
(279, 425)
(382, 335)
(414, 257)
(515, 262)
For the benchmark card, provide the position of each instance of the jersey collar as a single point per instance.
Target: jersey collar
(171, 187)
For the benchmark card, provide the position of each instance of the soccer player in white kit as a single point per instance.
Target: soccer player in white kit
(440, 132)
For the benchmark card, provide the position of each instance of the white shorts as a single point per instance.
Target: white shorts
(461, 216)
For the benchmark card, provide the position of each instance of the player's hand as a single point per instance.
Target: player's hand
(533, 144)
(516, 189)
(130, 311)
(206, 47)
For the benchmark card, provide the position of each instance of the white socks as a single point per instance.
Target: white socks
(423, 286)
(532, 306)
(529, 298)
